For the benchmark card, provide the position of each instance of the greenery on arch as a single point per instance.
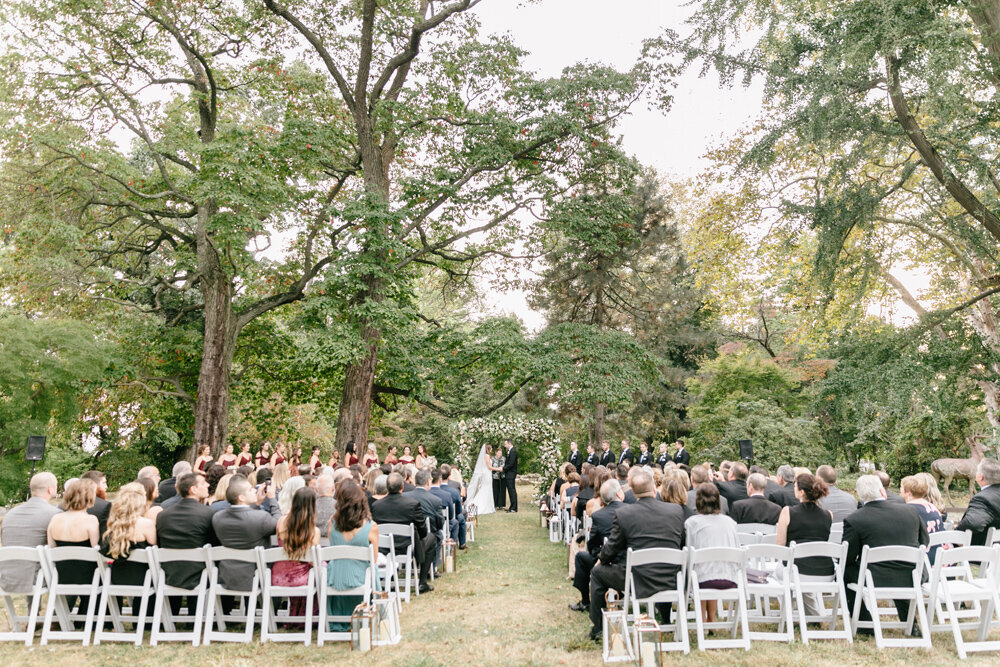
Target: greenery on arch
(536, 440)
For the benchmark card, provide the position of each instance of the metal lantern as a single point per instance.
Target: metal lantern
(614, 624)
(387, 630)
(362, 628)
(647, 634)
(450, 556)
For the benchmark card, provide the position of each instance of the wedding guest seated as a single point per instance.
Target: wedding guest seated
(100, 507)
(408, 484)
(26, 525)
(76, 527)
(381, 489)
(187, 524)
(325, 505)
(585, 491)
(241, 527)
(303, 469)
(878, 524)
(983, 511)
(622, 475)
(453, 478)
(808, 521)
(128, 530)
(287, 493)
(598, 476)
(701, 475)
(673, 491)
(914, 491)
(645, 524)
(279, 476)
(402, 509)
(168, 486)
(149, 472)
(756, 508)
(212, 476)
(151, 490)
(883, 477)
(297, 534)
(218, 500)
(710, 528)
(603, 520)
(735, 488)
(840, 503)
(786, 495)
(569, 489)
(430, 504)
(451, 499)
(934, 496)
(352, 525)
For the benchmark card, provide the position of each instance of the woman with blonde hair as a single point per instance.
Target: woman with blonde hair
(914, 490)
(280, 477)
(934, 493)
(218, 501)
(127, 531)
(287, 493)
(673, 490)
(370, 477)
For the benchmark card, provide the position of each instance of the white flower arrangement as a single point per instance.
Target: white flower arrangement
(471, 434)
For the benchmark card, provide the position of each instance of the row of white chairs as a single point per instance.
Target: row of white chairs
(208, 621)
(960, 594)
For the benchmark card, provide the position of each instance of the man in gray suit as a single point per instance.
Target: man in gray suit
(840, 503)
(700, 475)
(241, 526)
(325, 505)
(26, 526)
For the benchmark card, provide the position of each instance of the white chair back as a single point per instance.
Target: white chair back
(164, 620)
(816, 589)
(735, 596)
(141, 595)
(271, 591)
(246, 609)
(59, 592)
(326, 558)
(22, 628)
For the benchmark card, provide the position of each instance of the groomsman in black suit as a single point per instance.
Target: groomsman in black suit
(681, 455)
(592, 457)
(645, 457)
(646, 524)
(575, 457)
(662, 459)
(607, 458)
(626, 456)
(510, 475)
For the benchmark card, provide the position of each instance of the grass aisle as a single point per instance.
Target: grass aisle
(506, 605)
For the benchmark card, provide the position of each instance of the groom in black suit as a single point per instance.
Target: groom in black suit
(510, 475)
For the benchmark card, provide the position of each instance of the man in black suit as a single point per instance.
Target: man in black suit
(607, 456)
(681, 455)
(785, 494)
(101, 507)
(756, 508)
(399, 508)
(735, 489)
(645, 456)
(430, 504)
(626, 456)
(891, 497)
(452, 500)
(510, 475)
(663, 457)
(771, 486)
(592, 457)
(983, 512)
(648, 523)
(878, 524)
(167, 488)
(603, 519)
(187, 524)
(575, 457)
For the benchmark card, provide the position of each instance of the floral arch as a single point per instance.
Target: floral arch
(537, 436)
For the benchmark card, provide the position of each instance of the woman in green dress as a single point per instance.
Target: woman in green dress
(351, 525)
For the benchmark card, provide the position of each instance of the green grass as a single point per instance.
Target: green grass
(506, 605)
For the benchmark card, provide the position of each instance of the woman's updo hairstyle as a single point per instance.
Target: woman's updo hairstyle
(811, 486)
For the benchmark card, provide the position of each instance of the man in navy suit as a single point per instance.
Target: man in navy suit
(451, 499)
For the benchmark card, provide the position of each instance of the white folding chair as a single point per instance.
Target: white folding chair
(266, 558)
(944, 594)
(22, 628)
(870, 594)
(771, 538)
(164, 620)
(325, 557)
(676, 596)
(836, 532)
(819, 587)
(773, 560)
(406, 560)
(246, 610)
(141, 601)
(58, 592)
(471, 519)
(746, 539)
(388, 571)
(762, 528)
(737, 596)
(992, 537)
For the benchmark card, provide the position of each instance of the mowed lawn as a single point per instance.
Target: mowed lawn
(506, 605)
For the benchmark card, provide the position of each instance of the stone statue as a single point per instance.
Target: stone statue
(949, 469)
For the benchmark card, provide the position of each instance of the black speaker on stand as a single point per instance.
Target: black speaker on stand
(746, 450)
(34, 451)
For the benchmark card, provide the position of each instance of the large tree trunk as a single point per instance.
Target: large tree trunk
(356, 400)
(597, 433)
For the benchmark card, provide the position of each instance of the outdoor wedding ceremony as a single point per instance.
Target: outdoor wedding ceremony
(547, 332)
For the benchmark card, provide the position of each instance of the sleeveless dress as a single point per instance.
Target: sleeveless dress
(317, 466)
(279, 459)
(351, 460)
(227, 465)
(808, 522)
(369, 462)
(123, 572)
(204, 464)
(346, 574)
(292, 573)
(263, 459)
(244, 459)
(405, 459)
(76, 572)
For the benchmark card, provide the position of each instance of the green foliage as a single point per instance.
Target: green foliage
(66, 461)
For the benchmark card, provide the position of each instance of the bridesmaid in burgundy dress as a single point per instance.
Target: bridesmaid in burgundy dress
(279, 455)
(228, 459)
(264, 455)
(245, 458)
(204, 458)
(350, 454)
(315, 463)
(297, 533)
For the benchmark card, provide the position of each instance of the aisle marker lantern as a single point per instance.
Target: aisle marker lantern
(647, 640)
(617, 644)
(362, 622)
(387, 630)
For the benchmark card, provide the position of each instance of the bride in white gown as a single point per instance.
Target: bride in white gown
(480, 489)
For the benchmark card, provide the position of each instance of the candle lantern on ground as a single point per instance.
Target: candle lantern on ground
(362, 627)
(450, 555)
(647, 640)
(386, 617)
(614, 622)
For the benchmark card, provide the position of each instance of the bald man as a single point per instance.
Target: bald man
(25, 526)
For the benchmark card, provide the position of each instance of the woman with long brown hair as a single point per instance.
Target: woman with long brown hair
(297, 533)
(351, 525)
